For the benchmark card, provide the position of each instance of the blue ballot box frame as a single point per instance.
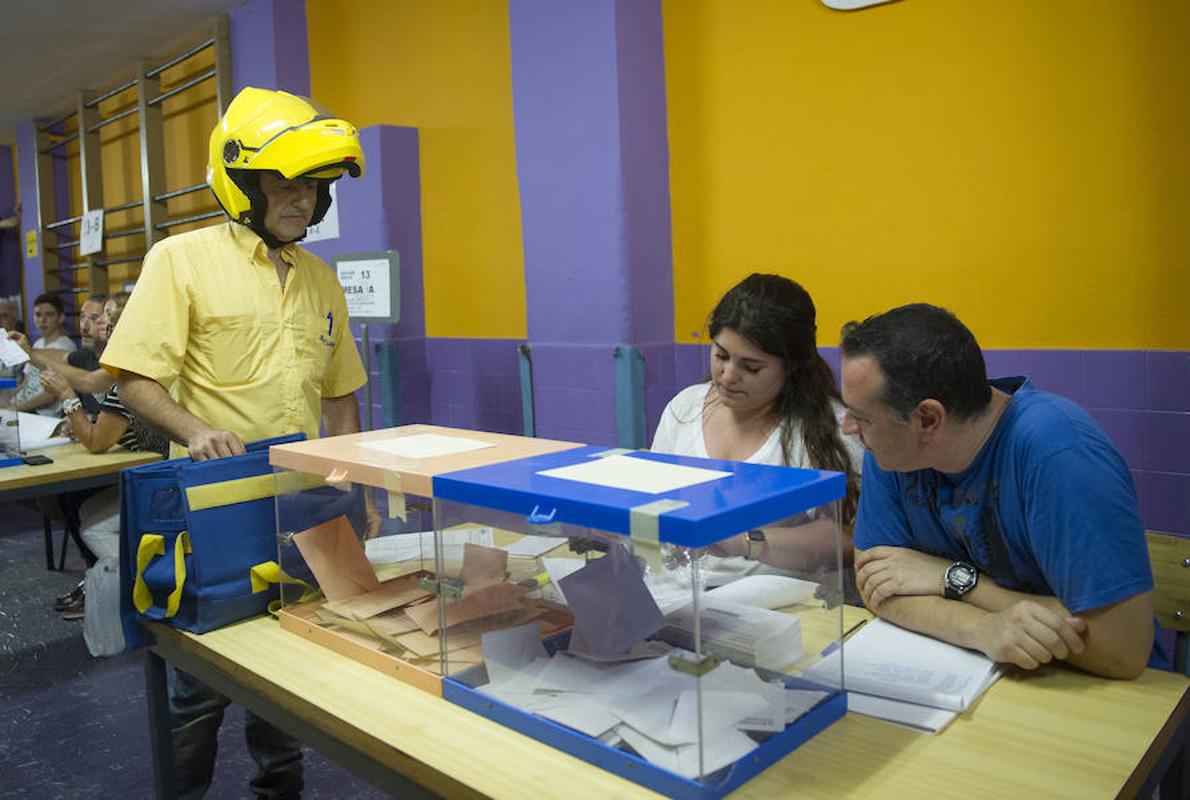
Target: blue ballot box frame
(750, 496)
(753, 495)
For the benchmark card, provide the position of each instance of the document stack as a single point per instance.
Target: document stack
(744, 635)
(907, 678)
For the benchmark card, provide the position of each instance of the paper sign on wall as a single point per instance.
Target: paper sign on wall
(371, 285)
(328, 228)
(91, 238)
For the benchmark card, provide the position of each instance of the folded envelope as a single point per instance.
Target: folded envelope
(391, 594)
(483, 566)
(502, 598)
(336, 557)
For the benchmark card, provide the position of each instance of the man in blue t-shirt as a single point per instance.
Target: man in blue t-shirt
(992, 515)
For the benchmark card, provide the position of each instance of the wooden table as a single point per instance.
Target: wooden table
(1053, 733)
(74, 468)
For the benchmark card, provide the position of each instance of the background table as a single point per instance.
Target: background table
(74, 468)
(1053, 733)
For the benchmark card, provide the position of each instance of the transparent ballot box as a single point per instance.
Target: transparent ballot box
(10, 425)
(690, 667)
(357, 544)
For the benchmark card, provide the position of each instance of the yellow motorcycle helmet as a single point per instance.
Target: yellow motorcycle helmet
(275, 131)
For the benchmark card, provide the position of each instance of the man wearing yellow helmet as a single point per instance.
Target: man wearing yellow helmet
(234, 333)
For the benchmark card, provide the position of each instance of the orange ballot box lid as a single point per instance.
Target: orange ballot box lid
(415, 452)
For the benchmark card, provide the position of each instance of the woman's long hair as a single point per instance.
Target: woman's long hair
(778, 316)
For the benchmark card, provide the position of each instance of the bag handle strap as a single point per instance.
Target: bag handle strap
(150, 547)
(265, 573)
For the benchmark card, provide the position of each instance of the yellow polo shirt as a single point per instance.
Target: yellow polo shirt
(209, 322)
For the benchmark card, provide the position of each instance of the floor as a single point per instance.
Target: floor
(75, 727)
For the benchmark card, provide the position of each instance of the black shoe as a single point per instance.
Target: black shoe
(75, 595)
(75, 609)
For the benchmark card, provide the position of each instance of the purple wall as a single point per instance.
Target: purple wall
(588, 86)
(269, 47)
(473, 384)
(382, 211)
(566, 102)
(644, 169)
(30, 218)
(10, 240)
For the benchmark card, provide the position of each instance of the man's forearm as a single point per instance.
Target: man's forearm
(1116, 640)
(148, 400)
(47, 357)
(83, 380)
(340, 415)
(1119, 636)
(948, 620)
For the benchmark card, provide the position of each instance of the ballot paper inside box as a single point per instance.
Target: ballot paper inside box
(673, 675)
(359, 553)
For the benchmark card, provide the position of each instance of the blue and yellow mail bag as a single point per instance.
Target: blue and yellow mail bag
(198, 541)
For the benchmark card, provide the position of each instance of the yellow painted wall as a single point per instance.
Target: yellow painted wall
(1024, 163)
(443, 67)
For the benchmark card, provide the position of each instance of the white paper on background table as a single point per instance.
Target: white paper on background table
(11, 353)
(37, 431)
(635, 474)
(425, 445)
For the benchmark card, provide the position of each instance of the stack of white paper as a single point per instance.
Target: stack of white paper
(406, 546)
(745, 635)
(905, 677)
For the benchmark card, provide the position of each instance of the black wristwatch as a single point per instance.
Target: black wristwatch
(755, 544)
(959, 578)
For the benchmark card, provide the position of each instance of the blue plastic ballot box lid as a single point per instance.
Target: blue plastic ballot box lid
(748, 496)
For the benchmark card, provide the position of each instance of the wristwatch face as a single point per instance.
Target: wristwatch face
(960, 577)
(755, 544)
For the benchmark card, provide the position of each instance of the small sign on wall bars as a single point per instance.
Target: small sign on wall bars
(372, 285)
(91, 236)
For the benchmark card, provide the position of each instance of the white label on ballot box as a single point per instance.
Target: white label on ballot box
(425, 445)
(637, 474)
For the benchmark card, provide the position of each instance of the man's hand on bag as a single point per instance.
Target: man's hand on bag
(208, 444)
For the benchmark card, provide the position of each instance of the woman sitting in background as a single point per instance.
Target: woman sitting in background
(99, 514)
(770, 399)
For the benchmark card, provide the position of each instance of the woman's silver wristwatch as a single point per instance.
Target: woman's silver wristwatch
(71, 405)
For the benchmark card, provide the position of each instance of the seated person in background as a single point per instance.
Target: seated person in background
(99, 514)
(10, 320)
(10, 314)
(89, 314)
(13, 222)
(48, 316)
(80, 368)
(993, 516)
(770, 399)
